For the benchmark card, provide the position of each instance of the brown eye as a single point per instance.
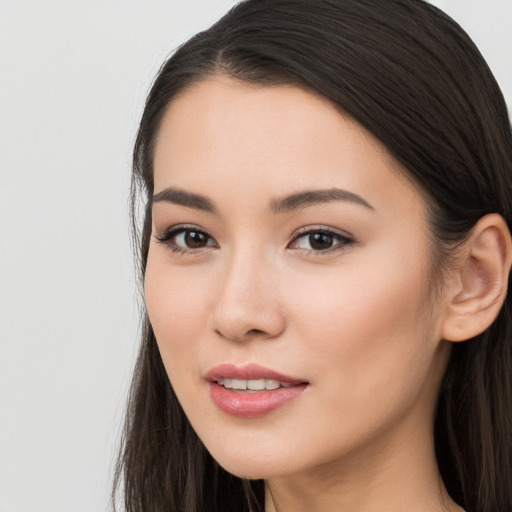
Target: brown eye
(320, 241)
(195, 239)
(187, 239)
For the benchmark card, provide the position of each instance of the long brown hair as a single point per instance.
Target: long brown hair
(411, 76)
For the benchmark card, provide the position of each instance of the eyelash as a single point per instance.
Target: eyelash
(168, 238)
(343, 240)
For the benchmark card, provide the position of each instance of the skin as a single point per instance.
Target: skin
(358, 322)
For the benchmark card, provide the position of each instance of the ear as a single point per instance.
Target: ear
(479, 285)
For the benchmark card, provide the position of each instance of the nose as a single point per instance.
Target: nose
(248, 305)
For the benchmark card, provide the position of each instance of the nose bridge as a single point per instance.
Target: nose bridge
(245, 272)
(248, 299)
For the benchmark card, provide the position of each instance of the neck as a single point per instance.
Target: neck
(388, 476)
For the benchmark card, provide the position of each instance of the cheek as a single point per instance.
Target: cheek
(367, 325)
(177, 305)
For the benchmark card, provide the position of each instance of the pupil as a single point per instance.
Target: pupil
(195, 240)
(319, 241)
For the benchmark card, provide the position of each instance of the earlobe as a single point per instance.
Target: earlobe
(479, 287)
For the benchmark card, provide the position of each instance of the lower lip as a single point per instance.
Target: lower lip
(252, 405)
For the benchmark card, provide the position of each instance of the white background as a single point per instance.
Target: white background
(73, 79)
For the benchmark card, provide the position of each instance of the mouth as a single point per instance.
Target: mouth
(251, 391)
(252, 385)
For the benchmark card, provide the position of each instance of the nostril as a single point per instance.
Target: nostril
(239, 321)
(246, 335)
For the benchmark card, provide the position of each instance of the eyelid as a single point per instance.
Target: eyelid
(347, 238)
(167, 236)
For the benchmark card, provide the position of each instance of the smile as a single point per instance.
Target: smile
(253, 384)
(251, 391)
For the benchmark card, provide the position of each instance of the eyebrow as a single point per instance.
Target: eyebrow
(312, 197)
(280, 205)
(177, 196)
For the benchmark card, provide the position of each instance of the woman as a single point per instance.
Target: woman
(325, 255)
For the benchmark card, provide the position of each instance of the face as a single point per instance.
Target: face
(289, 253)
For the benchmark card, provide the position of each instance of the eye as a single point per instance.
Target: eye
(186, 239)
(320, 240)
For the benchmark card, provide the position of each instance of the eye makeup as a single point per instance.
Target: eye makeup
(309, 239)
(320, 240)
(186, 239)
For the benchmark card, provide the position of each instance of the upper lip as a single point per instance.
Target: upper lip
(248, 372)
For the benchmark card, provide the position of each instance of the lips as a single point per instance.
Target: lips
(248, 372)
(251, 391)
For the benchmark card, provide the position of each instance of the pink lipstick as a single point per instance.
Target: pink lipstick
(251, 391)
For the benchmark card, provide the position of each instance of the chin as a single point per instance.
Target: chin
(246, 467)
(249, 470)
(256, 464)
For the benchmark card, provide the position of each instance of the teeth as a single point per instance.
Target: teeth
(271, 384)
(256, 385)
(253, 385)
(239, 384)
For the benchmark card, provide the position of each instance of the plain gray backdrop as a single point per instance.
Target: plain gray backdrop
(73, 80)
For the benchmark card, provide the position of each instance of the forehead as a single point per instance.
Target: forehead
(272, 139)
